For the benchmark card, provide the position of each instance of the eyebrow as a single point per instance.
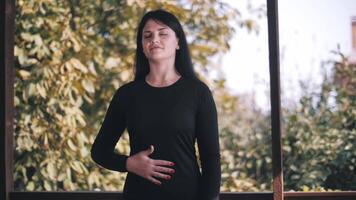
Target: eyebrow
(158, 29)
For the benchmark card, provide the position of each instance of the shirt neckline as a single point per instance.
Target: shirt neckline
(163, 87)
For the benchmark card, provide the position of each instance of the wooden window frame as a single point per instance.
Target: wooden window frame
(7, 23)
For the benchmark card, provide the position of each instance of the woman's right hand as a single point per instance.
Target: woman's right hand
(142, 165)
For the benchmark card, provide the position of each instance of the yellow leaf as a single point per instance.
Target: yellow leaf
(71, 145)
(41, 90)
(78, 65)
(84, 168)
(30, 186)
(52, 171)
(18, 51)
(61, 177)
(91, 180)
(83, 137)
(92, 68)
(25, 62)
(24, 74)
(16, 101)
(31, 89)
(77, 167)
(305, 188)
(81, 120)
(68, 185)
(67, 67)
(27, 37)
(88, 99)
(47, 186)
(69, 174)
(88, 86)
(112, 62)
(38, 40)
(84, 151)
(125, 75)
(76, 45)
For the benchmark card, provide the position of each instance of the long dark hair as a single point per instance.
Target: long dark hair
(183, 62)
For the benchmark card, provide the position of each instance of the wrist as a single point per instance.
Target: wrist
(127, 164)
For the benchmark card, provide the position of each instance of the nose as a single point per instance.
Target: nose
(155, 38)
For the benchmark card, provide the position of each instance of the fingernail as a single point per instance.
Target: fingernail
(172, 171)
(172, 164)
(168, 177)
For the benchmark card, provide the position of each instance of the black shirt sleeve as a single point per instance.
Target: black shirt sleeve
(114, 124)
(208, 145)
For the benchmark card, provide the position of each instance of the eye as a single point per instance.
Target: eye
(147, 36)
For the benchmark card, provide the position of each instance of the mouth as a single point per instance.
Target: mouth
(153, 48)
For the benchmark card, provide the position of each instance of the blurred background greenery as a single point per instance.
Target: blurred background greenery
(70, 57)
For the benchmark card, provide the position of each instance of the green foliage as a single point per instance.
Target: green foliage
(70, 58)
(320, 136)
(245, 139)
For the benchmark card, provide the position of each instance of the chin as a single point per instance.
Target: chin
(158, 57)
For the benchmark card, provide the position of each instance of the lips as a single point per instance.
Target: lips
(155, 47)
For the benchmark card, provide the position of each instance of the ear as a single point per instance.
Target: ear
(177, 48)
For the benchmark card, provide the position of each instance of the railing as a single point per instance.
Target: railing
(223, 196)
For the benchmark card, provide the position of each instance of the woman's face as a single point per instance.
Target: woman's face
(159, 42)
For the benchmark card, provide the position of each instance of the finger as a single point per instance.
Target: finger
(150, 150)
(164, 169)
(155, 181)
(160, 175)
(163, 162)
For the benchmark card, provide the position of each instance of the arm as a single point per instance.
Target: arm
(114, 124)
(208, 145)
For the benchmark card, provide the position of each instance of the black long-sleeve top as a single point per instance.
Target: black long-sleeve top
(172, 119)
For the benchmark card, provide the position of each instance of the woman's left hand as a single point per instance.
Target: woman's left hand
(151, 169)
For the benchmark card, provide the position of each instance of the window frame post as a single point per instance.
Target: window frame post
(273, 45)
(7, 24)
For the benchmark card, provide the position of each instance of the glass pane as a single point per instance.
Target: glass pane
(317, 46)
(71, 56)
(245, 130)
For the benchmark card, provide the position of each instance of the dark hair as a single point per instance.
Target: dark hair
(183, 62)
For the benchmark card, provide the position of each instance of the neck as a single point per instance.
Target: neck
(162, 72)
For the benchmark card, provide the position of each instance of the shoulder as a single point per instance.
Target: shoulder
(199, 86)
(123, 92)
(202, 93)
(122, 95)
(125, 88)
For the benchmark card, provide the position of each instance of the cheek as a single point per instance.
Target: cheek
(173, 45)
(144, 47)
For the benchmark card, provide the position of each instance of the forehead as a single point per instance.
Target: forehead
(152, 25)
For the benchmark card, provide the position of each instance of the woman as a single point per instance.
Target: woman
(165, 110)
